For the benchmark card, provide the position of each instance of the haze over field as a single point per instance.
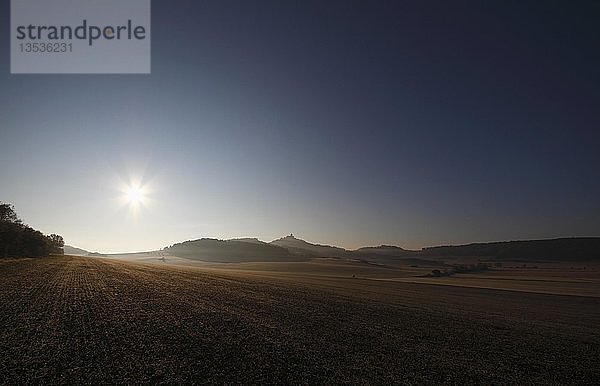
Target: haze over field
(289, 248)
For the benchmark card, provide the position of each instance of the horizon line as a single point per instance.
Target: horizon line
(346, 249)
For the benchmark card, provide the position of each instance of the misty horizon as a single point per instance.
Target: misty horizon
(241, 238)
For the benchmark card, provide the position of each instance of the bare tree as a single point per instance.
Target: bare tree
(8, 213)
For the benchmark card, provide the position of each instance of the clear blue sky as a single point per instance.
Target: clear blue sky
(345, 122)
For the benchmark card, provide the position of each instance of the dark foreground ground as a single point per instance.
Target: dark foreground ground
(83, 320)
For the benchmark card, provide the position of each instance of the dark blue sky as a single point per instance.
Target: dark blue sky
(346, 122)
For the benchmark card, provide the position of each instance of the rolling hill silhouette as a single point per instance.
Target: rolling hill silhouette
(235, 250)
(385, 250)
(563, 249)
(304, 248)
(74, 251)
(290, 248)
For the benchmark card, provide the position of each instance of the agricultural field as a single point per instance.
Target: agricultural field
(556, 280)
(97, 320)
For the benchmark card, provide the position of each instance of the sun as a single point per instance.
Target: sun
(134, 195)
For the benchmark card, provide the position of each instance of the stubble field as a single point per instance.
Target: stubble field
(88, 320)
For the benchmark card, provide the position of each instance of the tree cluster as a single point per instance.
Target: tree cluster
(460, 268)
(20, 240)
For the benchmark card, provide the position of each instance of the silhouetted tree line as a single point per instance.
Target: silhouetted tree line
(563, 249)
(20, 240)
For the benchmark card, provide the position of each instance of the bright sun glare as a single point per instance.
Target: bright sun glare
(134, 195)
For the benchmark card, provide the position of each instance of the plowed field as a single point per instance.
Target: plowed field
(86, 320)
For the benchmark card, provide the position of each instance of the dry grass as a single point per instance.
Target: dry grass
(82, 320)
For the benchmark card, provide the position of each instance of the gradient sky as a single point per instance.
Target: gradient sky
(345, 122)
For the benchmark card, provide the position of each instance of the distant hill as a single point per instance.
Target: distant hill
(252, 240)
(390, 253)
(230, 250)
(70, 250)
(97, 254)
(301, 247)
(564, 249)
(290, 248)
(385, 250)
